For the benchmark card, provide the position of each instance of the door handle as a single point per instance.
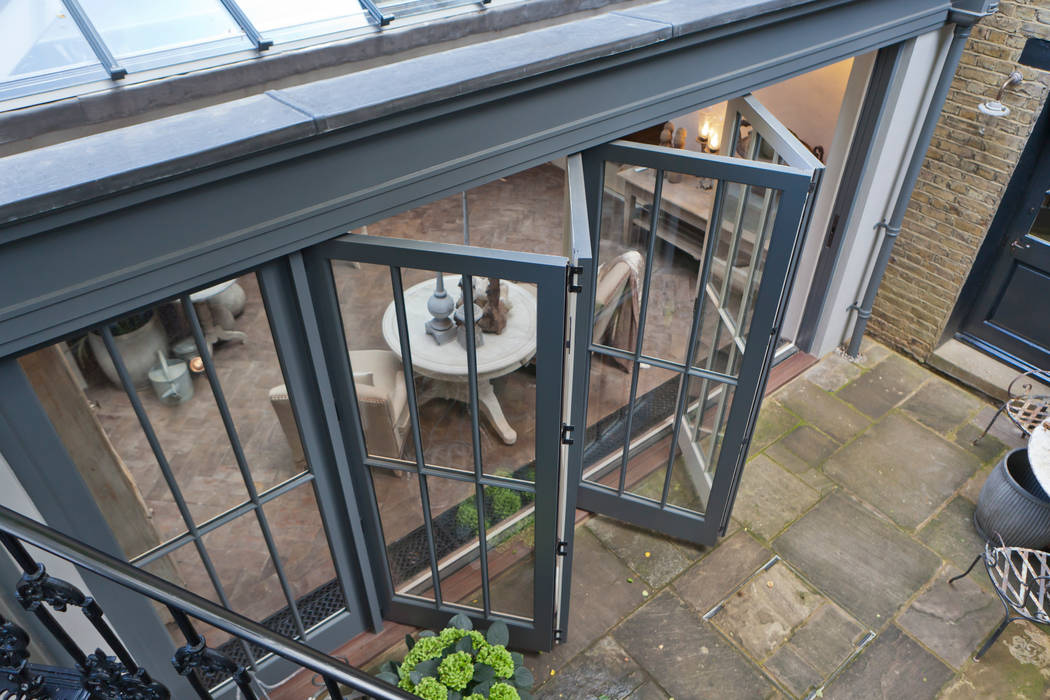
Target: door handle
(1020, 244)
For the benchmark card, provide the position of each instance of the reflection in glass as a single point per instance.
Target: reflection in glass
(1041, 226)
(284, 20)
(132, 28)
(46, 40)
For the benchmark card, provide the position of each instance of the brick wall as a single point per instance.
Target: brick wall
(965, 173)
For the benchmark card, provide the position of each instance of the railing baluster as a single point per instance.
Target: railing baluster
(14, 660)
(333, 689)
(197, 656)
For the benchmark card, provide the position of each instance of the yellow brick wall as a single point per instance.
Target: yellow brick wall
(965, 173)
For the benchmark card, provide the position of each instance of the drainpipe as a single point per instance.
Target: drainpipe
(964, 21)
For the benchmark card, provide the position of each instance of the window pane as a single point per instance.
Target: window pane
(289, 21)
(39, 37)
(132, 28)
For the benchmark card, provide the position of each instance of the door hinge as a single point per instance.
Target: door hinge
(574, 273)
(557, 635)
(566, 433)
(563, 548)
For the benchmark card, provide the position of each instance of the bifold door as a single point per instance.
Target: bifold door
(456, 438)
(694, 254)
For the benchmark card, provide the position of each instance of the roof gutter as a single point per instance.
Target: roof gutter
(965, 14)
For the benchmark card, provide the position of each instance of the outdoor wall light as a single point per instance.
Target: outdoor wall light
(996, 108)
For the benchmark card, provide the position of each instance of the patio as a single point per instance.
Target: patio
(854, 511)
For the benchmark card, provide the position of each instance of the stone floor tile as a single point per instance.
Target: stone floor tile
(909, 481)
(941, 406)
(715, 576)
(952, 620)
(666, 558)
(832, 416)
(952, 534)
(695, 659)
(872, 352)
(790, 669)
(988, 449)
(971, 490)
(603, 671)
(601, 597)
(773, 421)
(862, 562)
(892, 666)
(1017, 666)
(803, 448)
(884, 387)
(818, 480)
(649, 691)
(1003, 428)
(827, 639)
(765, 612)
(770, 497)
(832, 372)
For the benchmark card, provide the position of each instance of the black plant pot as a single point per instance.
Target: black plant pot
(1013, 506)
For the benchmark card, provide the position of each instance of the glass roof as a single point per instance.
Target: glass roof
(51, 44)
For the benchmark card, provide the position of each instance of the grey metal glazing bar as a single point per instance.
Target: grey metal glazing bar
(242, 462)
(162, 462)
(378, 16)
(246, 25)
(475, 436)
(219, 520)
(664, 364)
(654, 216)
(94, 40)
(417, 438)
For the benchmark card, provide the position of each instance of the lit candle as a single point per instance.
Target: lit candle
(713, 142)
(701, 137)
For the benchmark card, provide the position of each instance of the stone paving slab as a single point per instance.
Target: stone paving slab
(941, 407)
(862, 562)
(826, 412)
(601, 597)
(715, 576)
(603, 671)
(833, 372)
(827, 639)
(770, 497)
(763, 614)
(649, 691)
(802, 449)
(773, 421)
(892, 667)
(952, 620)
(988, 449)
(656, 558)
(884, 387)
(1017, 666)
(952, 535)
(911, 480)
(694, 660)
(791, 670)
(872, 353)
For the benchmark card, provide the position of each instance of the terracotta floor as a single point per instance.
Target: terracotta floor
(519, 213)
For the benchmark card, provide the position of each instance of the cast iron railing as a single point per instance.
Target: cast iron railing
(98, 675)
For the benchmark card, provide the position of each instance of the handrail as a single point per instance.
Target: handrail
(102, 564)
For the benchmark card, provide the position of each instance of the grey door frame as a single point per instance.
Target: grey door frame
(795, 185)
(549, 274)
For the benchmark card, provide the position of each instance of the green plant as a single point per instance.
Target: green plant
(130, 323)
(505, 502)
(460, 663)
(467, 516)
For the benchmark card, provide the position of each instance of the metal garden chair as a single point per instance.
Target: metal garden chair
(1026, 408)
(1020, 577)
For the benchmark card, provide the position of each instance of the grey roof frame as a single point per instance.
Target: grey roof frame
(146, 212)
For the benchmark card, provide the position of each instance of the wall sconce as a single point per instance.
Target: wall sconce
(996, 108)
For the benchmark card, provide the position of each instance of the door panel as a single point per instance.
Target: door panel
(456, 444)
(680, 352)
(1002, 318)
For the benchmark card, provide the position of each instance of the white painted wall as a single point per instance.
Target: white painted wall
(907, 102)
(14, 496)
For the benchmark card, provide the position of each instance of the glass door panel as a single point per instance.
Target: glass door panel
(694, 253)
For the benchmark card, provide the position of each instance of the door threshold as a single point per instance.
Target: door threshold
(976, 369)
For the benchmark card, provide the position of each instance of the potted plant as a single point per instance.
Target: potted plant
(459, 663)
(1014, 506)
(138, 338)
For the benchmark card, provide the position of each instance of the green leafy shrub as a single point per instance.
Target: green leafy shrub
(467, 516)
(460, 663)
(505, 502)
